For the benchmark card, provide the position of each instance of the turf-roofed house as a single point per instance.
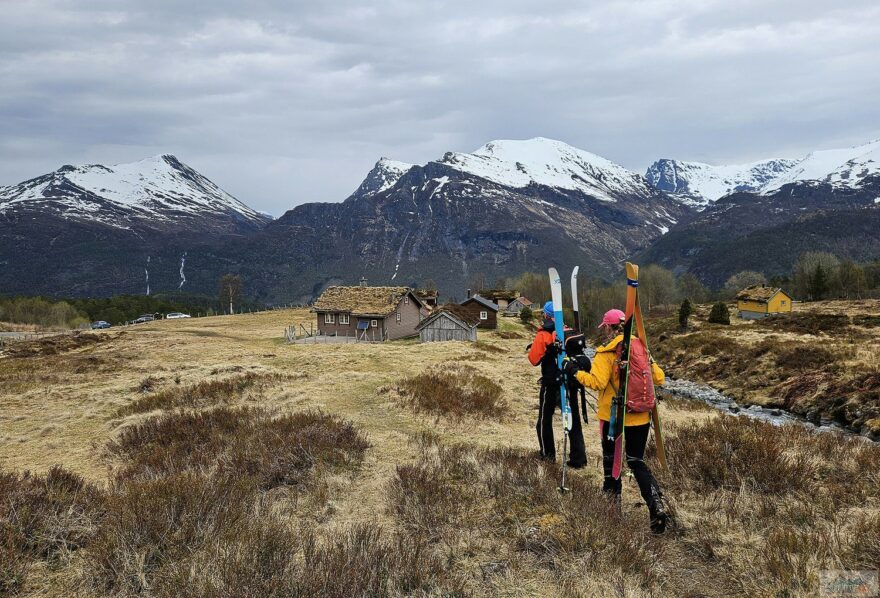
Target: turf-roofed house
(369, 313)
(760, 301)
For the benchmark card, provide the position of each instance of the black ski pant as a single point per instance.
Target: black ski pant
(635, 440)
(548, 401)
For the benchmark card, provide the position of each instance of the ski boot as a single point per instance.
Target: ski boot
(657, 511)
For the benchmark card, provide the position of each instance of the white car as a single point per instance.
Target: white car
(175, 315)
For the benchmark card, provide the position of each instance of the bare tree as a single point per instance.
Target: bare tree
(230, 289)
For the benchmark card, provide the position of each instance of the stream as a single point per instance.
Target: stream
(701, 392)
(695, 391)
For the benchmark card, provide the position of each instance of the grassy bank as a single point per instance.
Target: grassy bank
(820, 362)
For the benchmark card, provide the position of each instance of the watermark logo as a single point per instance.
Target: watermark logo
(837, 582)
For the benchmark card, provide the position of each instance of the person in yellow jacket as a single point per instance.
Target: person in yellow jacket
(602, 376)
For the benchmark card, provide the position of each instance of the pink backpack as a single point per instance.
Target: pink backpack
(640, 384)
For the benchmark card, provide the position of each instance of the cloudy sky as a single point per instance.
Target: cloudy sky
(283, 102)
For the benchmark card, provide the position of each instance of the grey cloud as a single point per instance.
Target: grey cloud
(286, 102)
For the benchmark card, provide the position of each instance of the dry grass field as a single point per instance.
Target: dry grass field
(207, 457)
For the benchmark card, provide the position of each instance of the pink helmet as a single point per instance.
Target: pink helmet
(613, 317)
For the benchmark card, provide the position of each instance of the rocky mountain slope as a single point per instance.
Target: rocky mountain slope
(767, 232)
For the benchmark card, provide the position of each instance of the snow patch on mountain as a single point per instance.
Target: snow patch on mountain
(847, 167)
(550, 163)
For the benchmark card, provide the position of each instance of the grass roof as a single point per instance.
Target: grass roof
(465, 315)
(360, 301)
(757, 292)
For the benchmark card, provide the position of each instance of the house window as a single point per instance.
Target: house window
(374, 323)
(398, 317)
(406, 300)
(782, 302)
(484, 315)
(329, 318)
(343, 318)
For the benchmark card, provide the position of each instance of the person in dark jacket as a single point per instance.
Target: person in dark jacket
(544, 351)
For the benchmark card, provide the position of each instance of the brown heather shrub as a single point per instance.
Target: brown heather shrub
(263, 557)
(728, 452)
(805, 357)
(506, 496)
(454, 390)
(153, 526)
(807, 323)
(276, 451)
(204, 394)
(43, 517)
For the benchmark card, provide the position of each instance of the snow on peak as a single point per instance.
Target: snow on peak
(698, 184)
(547, 162)
(383, 176)
(155, 187)
(846, 167)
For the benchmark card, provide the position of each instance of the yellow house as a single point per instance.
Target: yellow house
(760, 301)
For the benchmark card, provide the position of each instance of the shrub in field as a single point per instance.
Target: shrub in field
(263, 557)
(719, 314)
(152, 526)
(454, 391)
(204, 394)
(728, 452)
(43, 517)
(805, 357)
(249, 442)
(509, 499)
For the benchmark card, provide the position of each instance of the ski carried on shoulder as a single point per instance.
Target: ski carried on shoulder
(617, 423)
(655, 412)
(574, 299)
(565, 408)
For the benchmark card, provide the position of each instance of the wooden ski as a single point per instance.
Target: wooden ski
(617, 425)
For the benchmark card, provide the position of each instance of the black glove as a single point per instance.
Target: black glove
(583, 362)
(571, 368)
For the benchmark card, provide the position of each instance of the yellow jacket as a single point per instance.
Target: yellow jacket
(600, 376)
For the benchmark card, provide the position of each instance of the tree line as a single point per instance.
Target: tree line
(815, 276)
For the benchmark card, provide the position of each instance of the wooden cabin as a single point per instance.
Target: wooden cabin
(369, 313)
(449, 323)
(500, 297)
(760, 301)
(484, 310)
(428, 297)
(516, 306)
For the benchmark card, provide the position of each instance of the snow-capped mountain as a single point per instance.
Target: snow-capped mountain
(160, 190)
(844, 168)
(508, 207)
(550, 163)
(698, 184)
(384, 174)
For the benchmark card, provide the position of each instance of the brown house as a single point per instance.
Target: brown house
(369, 313)
(483, 309)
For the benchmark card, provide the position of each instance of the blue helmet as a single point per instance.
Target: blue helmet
(548, 309)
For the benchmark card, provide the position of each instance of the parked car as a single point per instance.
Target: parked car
(100, 325)
(176, 315)
(144, 318)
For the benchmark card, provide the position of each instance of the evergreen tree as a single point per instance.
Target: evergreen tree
(526, 315)
(719, 314)
(818, 283)
(684, 312)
